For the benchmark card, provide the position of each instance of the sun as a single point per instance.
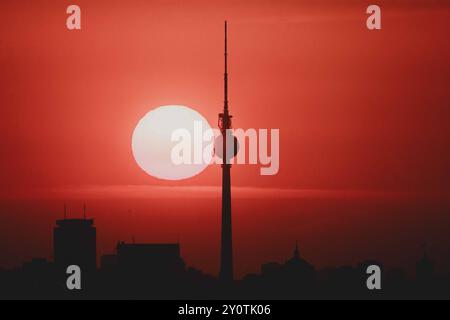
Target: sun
(152, 144)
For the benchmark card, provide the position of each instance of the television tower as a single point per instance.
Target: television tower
(226, 263)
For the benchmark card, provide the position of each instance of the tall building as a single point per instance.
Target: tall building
(75, 243)
(226, 265)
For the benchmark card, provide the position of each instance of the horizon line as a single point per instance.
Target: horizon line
(139, 191)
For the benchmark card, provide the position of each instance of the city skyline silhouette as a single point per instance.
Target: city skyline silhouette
(157, 270)
(364, 150)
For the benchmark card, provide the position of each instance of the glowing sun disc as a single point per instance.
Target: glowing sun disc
(152, 145)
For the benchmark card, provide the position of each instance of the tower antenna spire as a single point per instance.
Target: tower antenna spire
(84, 211)
(225, 106)
(65, 211)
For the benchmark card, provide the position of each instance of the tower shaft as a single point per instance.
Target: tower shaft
(226, 267)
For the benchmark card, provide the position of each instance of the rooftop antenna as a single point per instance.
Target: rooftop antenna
(296, 251)
(84, 211)
(65, 211)
(425, 249)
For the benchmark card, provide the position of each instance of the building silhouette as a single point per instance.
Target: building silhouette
(149, 258)
(294, 278)
(149, 270)
(75, 243)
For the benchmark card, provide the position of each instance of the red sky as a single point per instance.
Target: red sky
(361, 114)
